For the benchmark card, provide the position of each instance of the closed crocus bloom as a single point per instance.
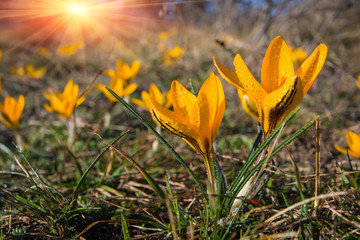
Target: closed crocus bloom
(358, 82)
(118, 86)
(11, 111)
(353, 141)
(124, 71)
(195, 119)
(281, 88)
(163, 98)
(63, 103)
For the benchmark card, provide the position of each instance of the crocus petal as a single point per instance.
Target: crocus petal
(19, 106)
(172, 123)
(69, 88)
(202, 109)
(110, 73)
(212, 88)
(119, 66)
(353, 140)
(309, 70)
(249, 105)
(278, 104)
(102, 89)
(249, 84)
(228, 74)
(277, 65)
(348, 151)
(183, 101)
(138, 102)
(154, 90)
(135, 67)
(129, 89)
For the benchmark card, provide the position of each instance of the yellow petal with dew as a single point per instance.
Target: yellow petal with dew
(278, 104)
(309, 70)
(277, 65)
(249, 84)
(214, 92)
(203, 109)
(170, 121)
(183, 102)
(228, 74)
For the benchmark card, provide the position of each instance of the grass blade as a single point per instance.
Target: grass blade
(76, 190)
(125, 229)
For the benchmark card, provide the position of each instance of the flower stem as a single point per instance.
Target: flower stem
(212, 187)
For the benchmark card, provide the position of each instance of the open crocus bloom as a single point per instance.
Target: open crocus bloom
(353, 141)
(63, 103)
(163, 98)
(118, 86)
(195, 119)
(281, 88)
(11, 111)
(124, 71)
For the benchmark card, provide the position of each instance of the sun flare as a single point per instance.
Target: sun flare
(78, 9)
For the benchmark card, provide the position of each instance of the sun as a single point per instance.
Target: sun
(78, 9)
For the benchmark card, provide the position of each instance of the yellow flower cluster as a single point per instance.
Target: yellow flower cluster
(197, 119)
(281, 89)
(163, 98)
(120, 82)
(30, 71)
(63, 103)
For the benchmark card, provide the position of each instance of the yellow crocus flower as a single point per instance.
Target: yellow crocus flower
(281, 88)
(195, 119)
(43, 51)
(0, 55)
(63, 103)
(124, 71)
(353, 141)
(298, 56)
(11, 111)
(118, 86)
(163, 98)
(358, 82)
(20, 71)
(70, 49)
(172, 55)
(35, 73)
